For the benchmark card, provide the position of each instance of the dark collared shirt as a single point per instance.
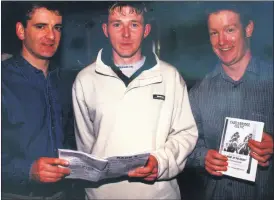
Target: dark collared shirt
(32, 123)
(218, 96)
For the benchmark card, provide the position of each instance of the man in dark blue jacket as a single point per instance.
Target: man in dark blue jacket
(33, 110)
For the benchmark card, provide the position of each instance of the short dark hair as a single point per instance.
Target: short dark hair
(242, 8)
(138, 7)
(26, 9)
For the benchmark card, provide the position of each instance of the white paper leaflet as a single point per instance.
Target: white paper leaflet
(87, 167)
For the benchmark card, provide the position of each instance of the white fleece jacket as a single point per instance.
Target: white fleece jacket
(114, 120)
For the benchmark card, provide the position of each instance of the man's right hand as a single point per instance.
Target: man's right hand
(215, 162)
(46, 170)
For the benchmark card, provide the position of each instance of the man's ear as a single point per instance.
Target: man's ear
(20, 31)
(249, 29)
(147, 30)
(105, 29)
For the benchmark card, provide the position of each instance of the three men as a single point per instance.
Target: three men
(128, 102)
(33, 117)
(241, 86)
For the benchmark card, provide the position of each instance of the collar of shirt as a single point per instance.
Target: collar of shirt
(106, 57)
(252, 68)
(28, 69)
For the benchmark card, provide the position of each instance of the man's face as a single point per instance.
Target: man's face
(228, 36)
(126, 31)
(42, 34)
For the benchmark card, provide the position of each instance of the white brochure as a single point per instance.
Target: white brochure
(88, 167)
(234, 145)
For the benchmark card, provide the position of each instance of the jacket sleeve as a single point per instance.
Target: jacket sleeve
(83, 126)
(182, 136)
(197, 157)
(14, 169)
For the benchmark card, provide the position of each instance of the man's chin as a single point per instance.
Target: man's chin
(126, 54)
(46, 56)
(227, 62)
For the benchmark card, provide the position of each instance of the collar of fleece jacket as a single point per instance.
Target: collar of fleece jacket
(107, 60)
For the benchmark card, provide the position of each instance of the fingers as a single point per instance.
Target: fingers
(55, 161)
(149, 172)
(50, 165)
(47, 169)
(143, 172)
(262, 160)
(213, 172)
(261, 148)
(264, 164)
(216, 158)
(56, 169)
(151, 177)
(216, 167)
(51, 174)
(262, 151)
(215, 162)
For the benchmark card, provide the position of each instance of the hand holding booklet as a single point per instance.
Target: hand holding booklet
(88, 167)
(234, 145)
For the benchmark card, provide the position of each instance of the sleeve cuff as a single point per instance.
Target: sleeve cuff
(21, 171)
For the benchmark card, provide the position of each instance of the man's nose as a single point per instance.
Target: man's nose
(221, 39)
(126, 31)
(51, 34)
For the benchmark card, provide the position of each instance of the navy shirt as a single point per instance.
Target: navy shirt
(32, 122)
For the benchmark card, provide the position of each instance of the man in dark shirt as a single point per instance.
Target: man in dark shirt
(33, 113)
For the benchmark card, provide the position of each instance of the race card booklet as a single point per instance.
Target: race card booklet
(234, 145)
(88, 167)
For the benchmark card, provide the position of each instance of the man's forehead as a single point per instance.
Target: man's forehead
(224, 17)
(42, 11)
(45, 15)
(225, 12)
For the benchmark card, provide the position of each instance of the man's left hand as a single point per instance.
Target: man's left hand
(149, 172)
(262, 151)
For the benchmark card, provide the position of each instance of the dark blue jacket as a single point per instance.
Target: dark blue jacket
(36, 121)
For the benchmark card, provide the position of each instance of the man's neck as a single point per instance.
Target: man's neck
(118, 60)
(237, 70)
(40, 64)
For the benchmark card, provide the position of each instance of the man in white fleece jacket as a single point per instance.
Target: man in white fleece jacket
(128, 102)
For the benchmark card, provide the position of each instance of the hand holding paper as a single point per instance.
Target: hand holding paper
(262, 151)
(215, 162)
(149, 172)
(46, 170)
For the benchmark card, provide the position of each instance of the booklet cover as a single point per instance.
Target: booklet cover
(234, 145)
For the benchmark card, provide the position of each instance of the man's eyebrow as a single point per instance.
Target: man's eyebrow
(39, 24)
(44, 24)
(229, 25)
(115, 20)
(137, 21)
